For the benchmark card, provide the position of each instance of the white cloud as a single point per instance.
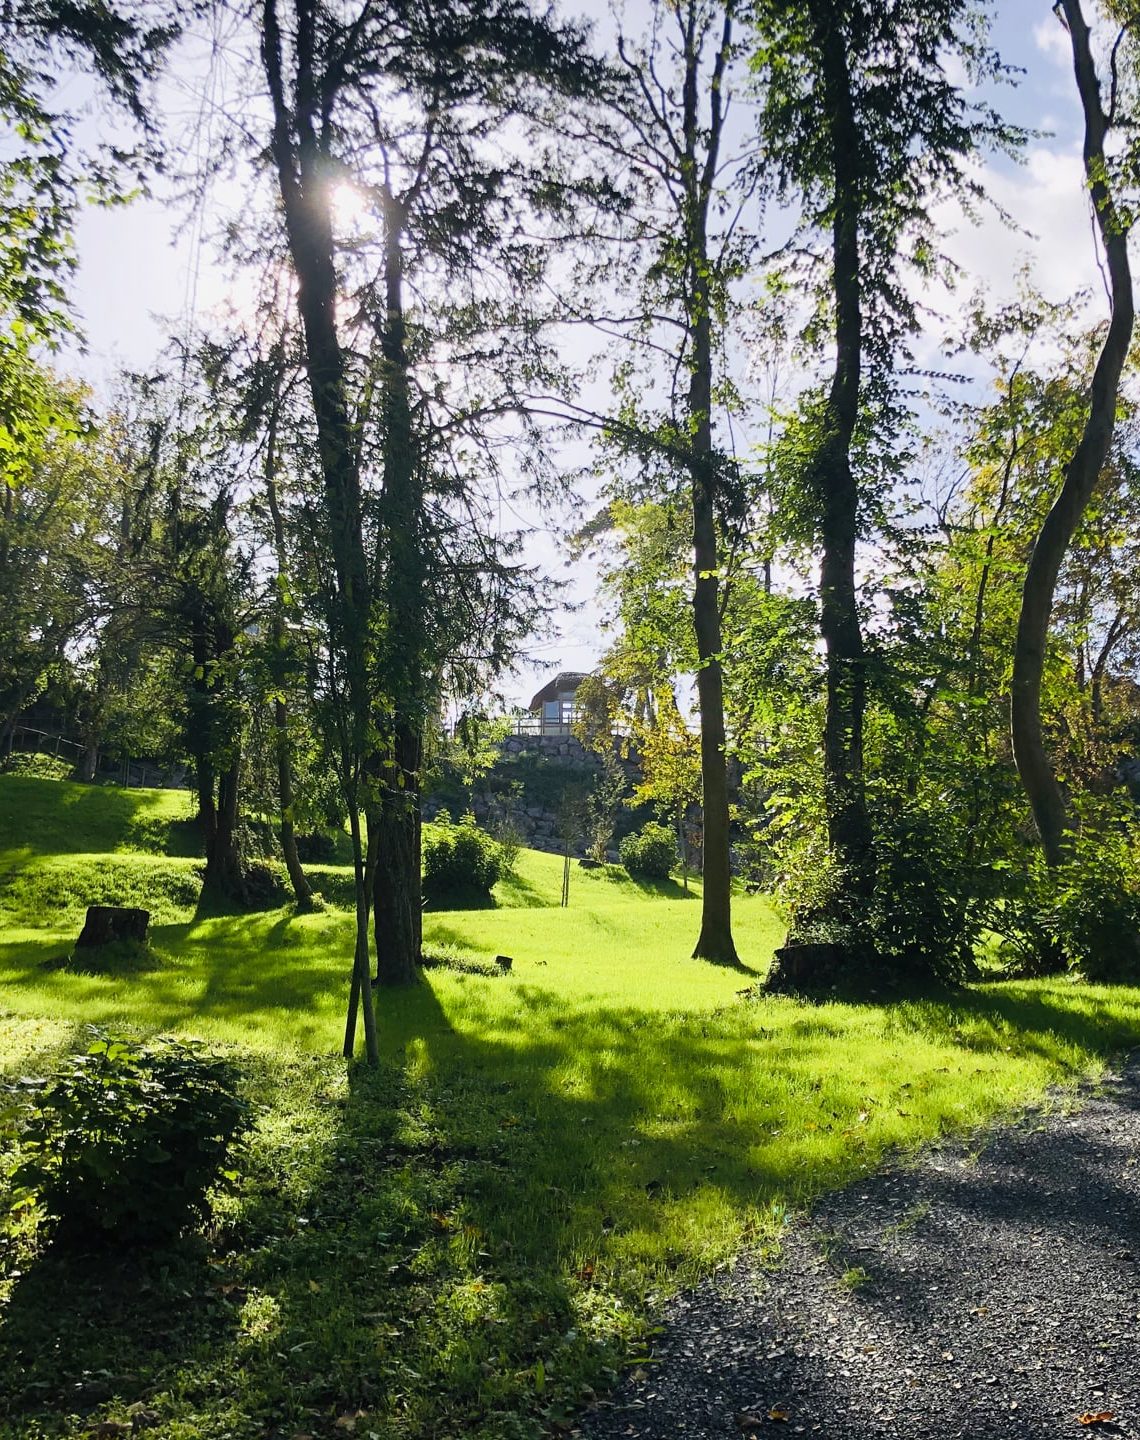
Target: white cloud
(1050, 38)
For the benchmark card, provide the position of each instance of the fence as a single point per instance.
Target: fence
(537, 723)
(27, 739)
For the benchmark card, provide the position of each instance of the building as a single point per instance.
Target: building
(553, 710)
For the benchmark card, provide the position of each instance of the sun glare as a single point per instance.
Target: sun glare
(350, 206)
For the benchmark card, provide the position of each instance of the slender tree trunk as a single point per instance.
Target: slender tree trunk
(397, 898)
(304, 185)
(361, 987)
(848, 824)
(302, 891)
(224, 870)
(715, 940)
(1081, 474)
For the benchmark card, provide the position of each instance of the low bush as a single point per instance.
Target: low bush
(650, 852)
(317, 848)
(459, 859)
(41, 767)
(123, 1145)
(1085, 914)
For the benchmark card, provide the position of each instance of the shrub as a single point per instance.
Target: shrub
(459, 859)
(650, 851)
(316, 848)
(509, 839)
(1085, 914)
(922, 917)
(42, 767)
(122, 1146)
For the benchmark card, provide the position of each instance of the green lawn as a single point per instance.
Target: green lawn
(470, 1240)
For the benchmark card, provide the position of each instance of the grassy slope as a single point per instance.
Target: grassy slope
(464, 1242)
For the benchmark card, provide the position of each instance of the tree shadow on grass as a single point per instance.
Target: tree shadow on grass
(47, 817)
(434, 1244)
(89, 1334)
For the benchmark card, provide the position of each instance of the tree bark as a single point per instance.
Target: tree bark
(225, 873)
(303, 182)
(302, 890)
(397, 903)
(715, 940)
(1033, 765)
(850, 839)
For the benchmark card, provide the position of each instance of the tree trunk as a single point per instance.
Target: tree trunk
(715, 940)
(302, 891)
(397, 899)
(398, 912)
(304, 184)
(225, 872)
(848, 825)
(360, 989)
(1081, 474)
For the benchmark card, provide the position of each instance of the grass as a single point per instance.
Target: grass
(472, 1239)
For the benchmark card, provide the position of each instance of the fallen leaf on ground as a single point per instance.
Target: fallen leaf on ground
(1097, 1417)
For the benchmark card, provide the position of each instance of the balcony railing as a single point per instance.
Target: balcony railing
(562, 724)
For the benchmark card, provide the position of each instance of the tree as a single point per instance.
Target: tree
(44, 178)
(1081, 474)
(864, 131)
(54, 515)
(690, 201)
(411, 107)
(189, 584)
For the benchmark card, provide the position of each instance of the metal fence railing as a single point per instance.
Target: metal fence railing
(537, 724)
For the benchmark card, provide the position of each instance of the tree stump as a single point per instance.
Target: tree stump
(107, 923)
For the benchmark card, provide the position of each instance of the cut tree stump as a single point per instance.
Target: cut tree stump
(108, 923)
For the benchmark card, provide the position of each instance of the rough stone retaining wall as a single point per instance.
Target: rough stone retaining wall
(551, 758)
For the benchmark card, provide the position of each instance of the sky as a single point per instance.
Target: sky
(146, 269)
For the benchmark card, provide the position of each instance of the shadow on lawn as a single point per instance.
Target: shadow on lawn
(433, 1246)
(46, 817)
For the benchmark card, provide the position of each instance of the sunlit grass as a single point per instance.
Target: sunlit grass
(466, 1240)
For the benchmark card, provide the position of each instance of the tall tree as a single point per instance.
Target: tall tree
(410, 108)
(45, 175)
(1084, 468)
(692, 231)
(864, 130)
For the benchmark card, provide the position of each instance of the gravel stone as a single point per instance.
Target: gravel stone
(989, 1289)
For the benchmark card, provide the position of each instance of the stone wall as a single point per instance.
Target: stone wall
(525, 786)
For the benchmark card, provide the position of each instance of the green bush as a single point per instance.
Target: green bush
(1095, 910)
(1085, 914)
(650, 852)
(459, 859)
(122, 1146)
(41, 767)
(922, 918)
(316, 848)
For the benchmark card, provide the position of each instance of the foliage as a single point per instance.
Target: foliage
(459, 859)
(41, 767)
(44, 178)
(509, 838)
(651, 851)
(1085, 913)
(54, 559)
(123, 1144)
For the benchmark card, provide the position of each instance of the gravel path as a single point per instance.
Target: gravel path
(991, 1289)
